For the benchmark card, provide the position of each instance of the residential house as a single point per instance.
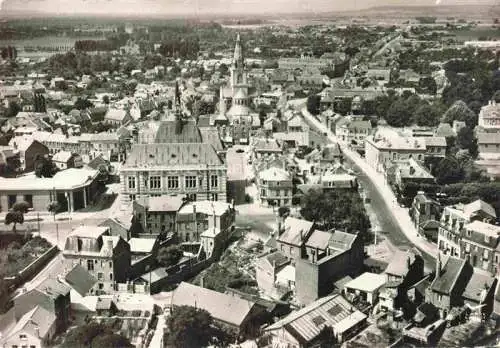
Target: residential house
(208, 222)
(353, 131)
(425, 214)
(325, 158)
(479, 244)
(53, 296)
(326, 257)
(36, 328)
(274, 187)
(229, 311)
(157, 215)
(453, 220)
(29, 151)
(294, 131)
(292, 236)
(436, 146)
(66, 159)
(265, 148)
(303, 328)
(405, 267)
(105, 257)
(117, 117)
(303, 63)
(457, 284)
(192, 169)
(332, 180)
(382, 76)
(409, 171)
(381, 151)
(489, 117)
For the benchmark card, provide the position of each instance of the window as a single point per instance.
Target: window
(215, 197)
(101, 286)
(155, 182)
(191, 197)
(263, 193)
(90, 265)
(23, 337)
(132, 197)
(468, 233)
(190, 181)
(110, 264)
(131, 182)
(100, 276)
(111, 276)
(318, 320)
(214, 181)
(11, 200)
(29, 199)
(485, 254)
(173, 182)
(440, 297)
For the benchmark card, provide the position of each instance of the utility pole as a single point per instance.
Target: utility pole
(38, 222)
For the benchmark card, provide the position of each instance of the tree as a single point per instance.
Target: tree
(94, 335)
(14, 217)
(169, 256)
(398, 114)
(467, 141)
(105, 99)
(459, 111)
(21, 207)
(283, 211)
(111, 341)
(448, 171)
(13, 109)
(189, 327)
(496, 96)
(343, 107)
(313, 104)
(44, 167)
(53, 208)
(427, 116)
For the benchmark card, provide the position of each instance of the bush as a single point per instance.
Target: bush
(248, 199)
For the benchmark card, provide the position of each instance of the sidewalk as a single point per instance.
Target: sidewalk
(400, 214)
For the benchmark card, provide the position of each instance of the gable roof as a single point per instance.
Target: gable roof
(37, 322)
(445, 282)
(399, 263)
(226, 308)
(318, 239)
(160, 155)
(479, 205)
(296, 231)
(141, 245)
(80, 280)
(331, 311)
(116, 114)
(53, 288)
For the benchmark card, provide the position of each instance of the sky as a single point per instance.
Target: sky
(175, 7)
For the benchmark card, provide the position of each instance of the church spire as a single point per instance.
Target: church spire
(238, 53)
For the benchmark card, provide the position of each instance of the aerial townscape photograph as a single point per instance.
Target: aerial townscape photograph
(249, 173)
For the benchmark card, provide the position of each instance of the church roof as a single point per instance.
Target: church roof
(241, 93)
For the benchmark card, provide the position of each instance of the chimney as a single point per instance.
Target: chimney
(439, 266)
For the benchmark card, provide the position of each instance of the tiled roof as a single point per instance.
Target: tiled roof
(146, 156)
(37, 322)
(331, 311)
(319, 239)
(296, 231)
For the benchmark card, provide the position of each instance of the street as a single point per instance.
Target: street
(394, 219)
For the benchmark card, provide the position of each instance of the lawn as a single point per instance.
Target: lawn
(19, 255)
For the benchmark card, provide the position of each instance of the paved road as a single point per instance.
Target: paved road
(397, 220)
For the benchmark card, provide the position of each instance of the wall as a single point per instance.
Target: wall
(236, 191)
(36, 266)
(178, 277)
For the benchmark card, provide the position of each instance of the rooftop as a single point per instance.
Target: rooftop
(367, 282)
(296, 230)
(274, 174)
(445, 282)
(331, 311)
(67, 179)
(162, 203)
(229, 309)
(205, 207)
(88, 231)
(484, 228)
(143, 156)
(37, 322)
(142, 245)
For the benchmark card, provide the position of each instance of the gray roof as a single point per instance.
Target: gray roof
(445, 282)
(37, 322)
(332, 311)
(296, 230)
(149, 156)
(226, 308)
(162, 203)
(171, 131)
(80, 280)
(53, 288)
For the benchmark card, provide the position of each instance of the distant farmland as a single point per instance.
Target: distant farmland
(46, 41)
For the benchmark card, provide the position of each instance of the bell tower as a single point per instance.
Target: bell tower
(238, 74)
